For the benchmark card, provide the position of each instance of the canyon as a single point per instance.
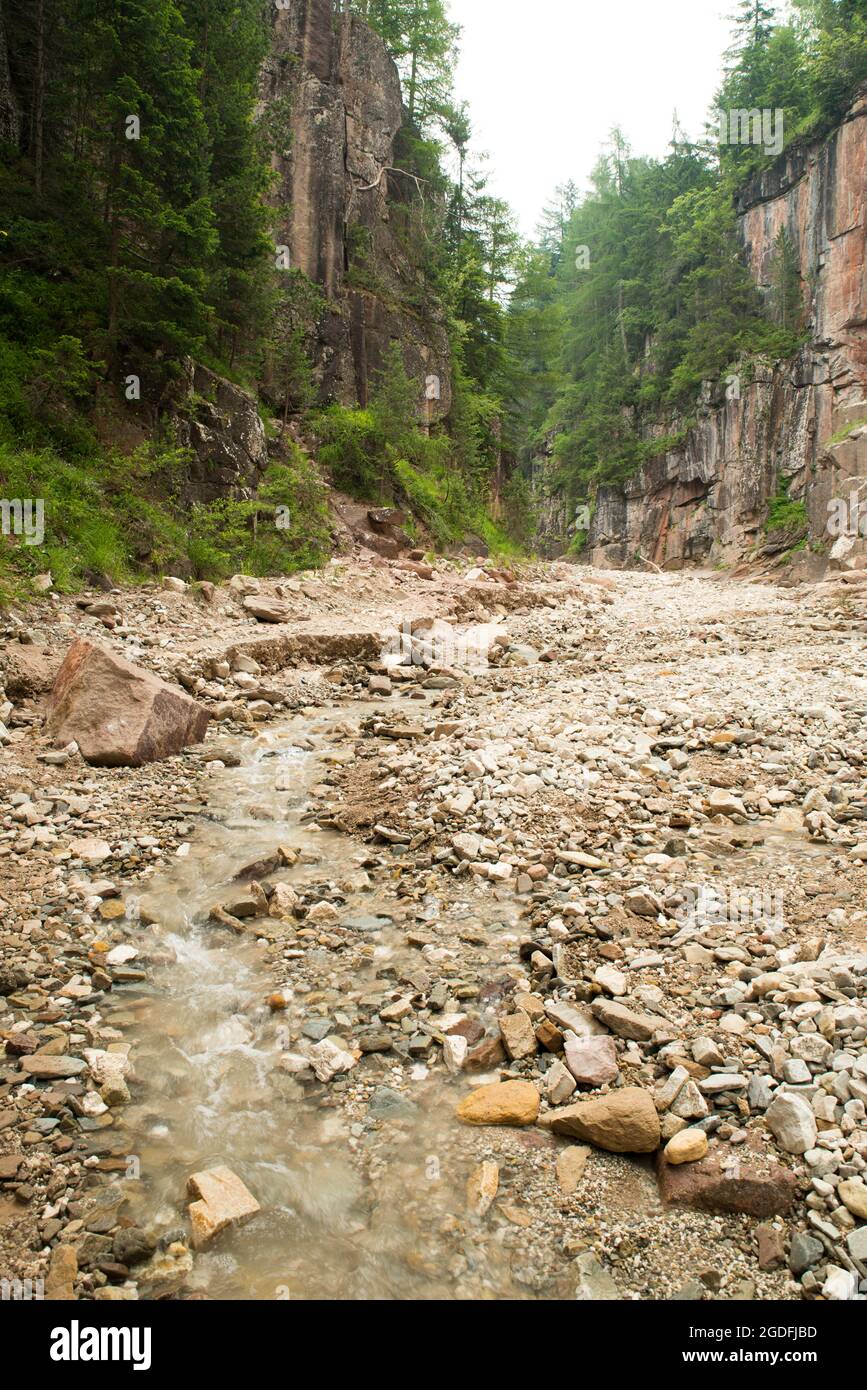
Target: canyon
(800, 424)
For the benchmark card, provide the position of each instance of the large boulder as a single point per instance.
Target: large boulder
(117, 713)
(761, 1189)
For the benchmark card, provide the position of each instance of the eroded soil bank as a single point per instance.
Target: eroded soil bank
(627, 854)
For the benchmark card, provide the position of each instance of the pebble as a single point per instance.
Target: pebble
(688, 1146)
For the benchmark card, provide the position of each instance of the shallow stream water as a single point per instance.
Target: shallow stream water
(206, 1047)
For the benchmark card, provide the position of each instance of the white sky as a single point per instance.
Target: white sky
(547, 79)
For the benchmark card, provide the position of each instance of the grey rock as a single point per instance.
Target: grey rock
(805, 1251)
(594, 1283)
(388, 1104)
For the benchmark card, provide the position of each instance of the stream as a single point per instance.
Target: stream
(206, 1050)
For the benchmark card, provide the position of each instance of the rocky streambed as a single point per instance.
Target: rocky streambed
(540, 977)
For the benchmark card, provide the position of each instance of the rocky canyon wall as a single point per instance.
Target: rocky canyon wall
(801, 422)
(332, 88)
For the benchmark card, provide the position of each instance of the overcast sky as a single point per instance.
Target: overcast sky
(547, 79)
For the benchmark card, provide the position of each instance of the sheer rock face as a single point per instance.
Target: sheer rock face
(337, 90)
(707, 500)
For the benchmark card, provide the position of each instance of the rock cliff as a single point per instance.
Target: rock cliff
(352, 222)
(797, 422)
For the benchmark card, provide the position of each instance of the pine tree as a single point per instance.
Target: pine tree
(786, 293)
(422, 40)
(230, 42)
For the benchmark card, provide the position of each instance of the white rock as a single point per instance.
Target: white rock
(455, 1053)
(612, 981)
(792, 1123)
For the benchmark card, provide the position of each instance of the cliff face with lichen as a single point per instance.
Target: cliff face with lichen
(351, 221)
(798, 424)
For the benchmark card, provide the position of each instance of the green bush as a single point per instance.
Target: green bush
(784, 514)
(107, 515)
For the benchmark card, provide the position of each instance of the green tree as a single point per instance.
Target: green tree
(786, 291)
(423, 41)
(230, 39)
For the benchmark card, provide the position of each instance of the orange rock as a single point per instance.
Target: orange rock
(224, 1201)
(502, 1103)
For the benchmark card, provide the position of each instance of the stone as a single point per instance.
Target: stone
(725, 803)
(166, 1273)
(62, 1273)
(322, 914)
(626, 1023)
(119, 714)
(328, 1059)
(760, 1093)
(455, 1051)
(398, 1009)
(27, 669)
(804, 1251)
(856, 1244)
(721, 1081)
(559, 1083)
(132, 1246)
(574, 1018)
(792, 1123)
(612, 981)
(467, 846)
(518, 1036)
(592, 1061)
(45, 1067)
(593, 1282)
(642, 902)
(570, 1168)
(223, 1201)
(267, 610)
(840, 1285)
(707, 1053)
(501, 1103)
(625, 1121)
(689, 1103)
(485, 1055)
(90, 849)
(771, 1246)
(688, 1146)
(283, 902)
(853, 1195)
(482, 1187)
(667, 1091)
(761, 1191)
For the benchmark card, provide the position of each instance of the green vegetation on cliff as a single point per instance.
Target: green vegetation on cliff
(637, 294)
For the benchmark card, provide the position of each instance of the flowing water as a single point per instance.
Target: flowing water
(206, 1049)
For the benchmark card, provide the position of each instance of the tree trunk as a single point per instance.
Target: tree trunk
(39, 96)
